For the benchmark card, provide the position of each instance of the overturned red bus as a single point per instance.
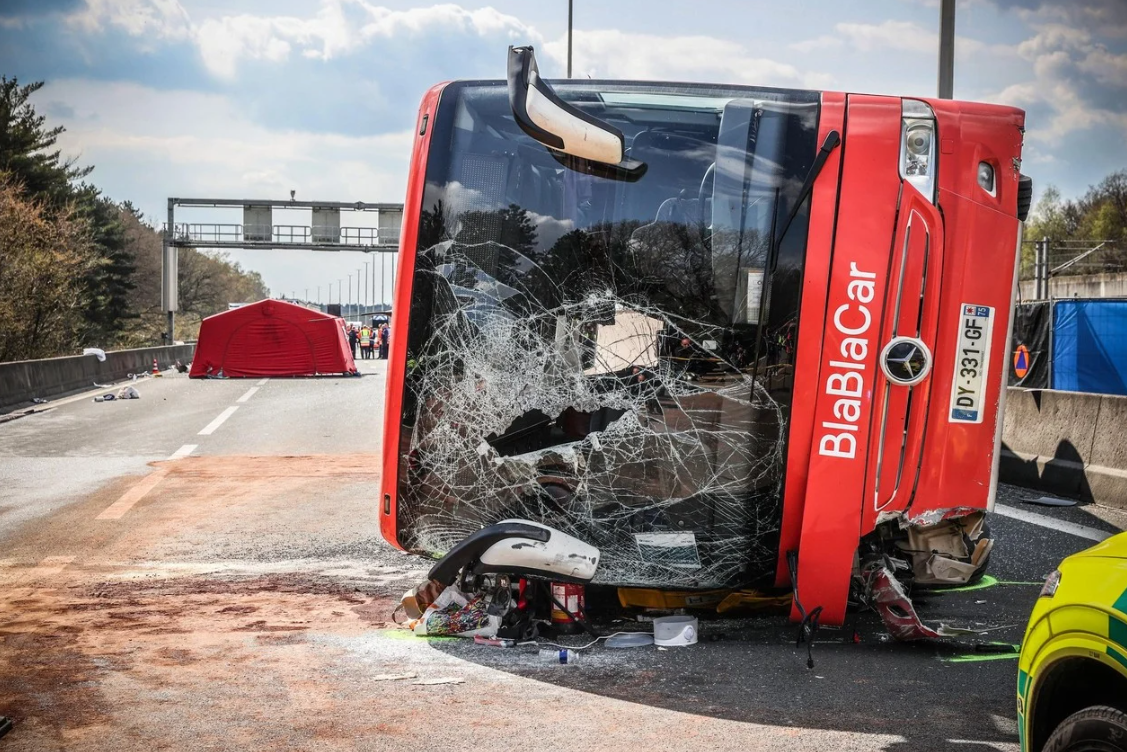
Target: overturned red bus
(727, 335)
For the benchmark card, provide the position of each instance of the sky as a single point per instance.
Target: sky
(255, 98)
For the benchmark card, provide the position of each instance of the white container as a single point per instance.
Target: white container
(675, 631)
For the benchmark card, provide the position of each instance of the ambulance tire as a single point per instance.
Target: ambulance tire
(1095, 729)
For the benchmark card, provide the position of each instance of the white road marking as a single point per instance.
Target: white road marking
(183, 452)
(248, 395)
(262, 382)
(49, 566)
(1080, 531)
(118, 509)
(210, 427)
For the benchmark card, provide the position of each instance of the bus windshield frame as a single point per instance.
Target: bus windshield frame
(609, 354)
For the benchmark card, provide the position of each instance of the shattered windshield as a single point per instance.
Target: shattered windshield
(609, 355)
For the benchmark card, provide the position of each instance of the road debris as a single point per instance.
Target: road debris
(441, 680)
(1050, 501)
(394, 677)
(97, 352)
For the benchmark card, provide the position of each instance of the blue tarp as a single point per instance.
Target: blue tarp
(1090, 346)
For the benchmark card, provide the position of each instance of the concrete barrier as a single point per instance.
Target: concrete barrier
(22, 380)
(1067, 443)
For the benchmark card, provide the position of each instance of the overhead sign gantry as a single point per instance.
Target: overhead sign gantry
(257, 230)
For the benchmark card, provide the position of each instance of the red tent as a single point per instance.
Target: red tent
(272, 338)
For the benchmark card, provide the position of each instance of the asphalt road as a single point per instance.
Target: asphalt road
(167, 589)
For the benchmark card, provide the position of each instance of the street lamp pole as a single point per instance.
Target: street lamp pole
(947, 49)
(569, 9)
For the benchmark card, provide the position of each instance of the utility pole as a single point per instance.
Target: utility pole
(947, 49)
(170, 276)
(569, 9)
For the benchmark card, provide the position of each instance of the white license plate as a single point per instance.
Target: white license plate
(972, 361)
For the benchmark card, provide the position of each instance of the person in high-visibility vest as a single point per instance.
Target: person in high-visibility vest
(365, 343)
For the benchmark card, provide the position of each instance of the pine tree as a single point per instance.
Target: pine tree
(27, 150)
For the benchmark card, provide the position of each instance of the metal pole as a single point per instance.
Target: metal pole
(569, 9)
(1045, 269)
(365, 284)
(171, 254)
(393, 257)
(1037, 270)
(947, 49)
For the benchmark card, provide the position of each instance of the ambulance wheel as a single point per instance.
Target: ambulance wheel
(1095, 729)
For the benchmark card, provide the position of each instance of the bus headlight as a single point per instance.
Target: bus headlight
(917, 146)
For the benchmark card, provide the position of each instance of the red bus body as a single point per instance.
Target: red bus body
(867, 460)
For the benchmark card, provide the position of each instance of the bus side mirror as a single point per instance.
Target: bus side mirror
(553, 122)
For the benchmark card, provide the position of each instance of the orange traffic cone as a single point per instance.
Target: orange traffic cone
(156, 370)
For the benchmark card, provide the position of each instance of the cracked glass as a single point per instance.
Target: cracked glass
(607, 354)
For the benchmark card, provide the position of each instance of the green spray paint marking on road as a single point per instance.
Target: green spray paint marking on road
(976, 657)
(986, 582)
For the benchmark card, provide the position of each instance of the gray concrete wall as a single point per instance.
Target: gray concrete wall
(1081, 286)
(1067, 443)
(23, 380)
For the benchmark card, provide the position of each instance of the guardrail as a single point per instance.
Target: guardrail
(22, 381)
(1067, 443)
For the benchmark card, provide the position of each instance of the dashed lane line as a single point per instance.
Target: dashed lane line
(51, 565)
(248, 395)
(262, 382)
(183, 452)
(1080, 531)
(210, 427)
(118, 509)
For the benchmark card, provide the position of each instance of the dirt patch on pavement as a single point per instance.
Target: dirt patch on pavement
(61, 647)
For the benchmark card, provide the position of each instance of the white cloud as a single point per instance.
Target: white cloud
(204, 143)
(160, 19)
(604, 53)
(1065, 62)
(901, 36)
(342, 27)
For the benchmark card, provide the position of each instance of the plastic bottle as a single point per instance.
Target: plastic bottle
(551, 655)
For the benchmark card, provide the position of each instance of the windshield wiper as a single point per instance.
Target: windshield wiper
(832, 141)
